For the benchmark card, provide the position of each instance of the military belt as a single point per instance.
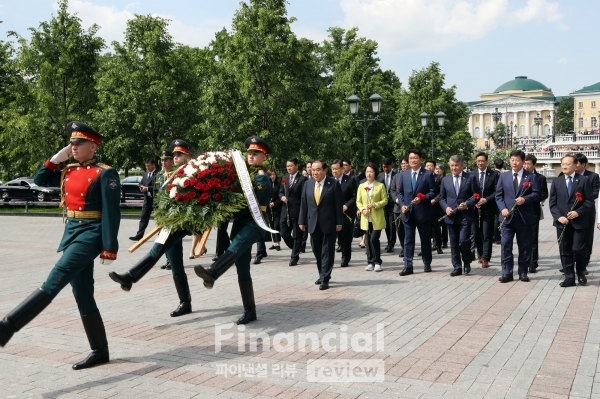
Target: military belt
(263, 208)
(84, 214)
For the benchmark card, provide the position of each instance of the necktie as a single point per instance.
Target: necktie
(387, 181)
(318, 193)
(516, 183)
(292, 180)
(340, 180)
(481, 177)
(414, 181)
(456, 186)
(569, 186)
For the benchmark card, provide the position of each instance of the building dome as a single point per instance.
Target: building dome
(521, 83)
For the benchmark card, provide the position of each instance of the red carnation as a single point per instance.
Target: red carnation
(178, 197)
(186, 183)
(217, 197)
(527, 184)
(215, 166)
(198, 186)
(476, 196)
(232, 188)
(421, 196)
(578, 196)
(180, 172)
(228, 164)
(204, 197)
(193, 181)
(226, 182)
(367, 189)
(284, 181)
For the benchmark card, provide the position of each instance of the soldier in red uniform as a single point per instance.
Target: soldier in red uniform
(90, 191)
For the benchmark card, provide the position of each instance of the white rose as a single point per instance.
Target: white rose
(190, 170)
(173, 192)
(176, 181)
(211, 159)
(202, 168)
(182, 181)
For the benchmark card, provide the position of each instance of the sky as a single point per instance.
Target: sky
(480, 44)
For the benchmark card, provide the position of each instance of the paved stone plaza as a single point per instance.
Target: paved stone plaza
(435, 336)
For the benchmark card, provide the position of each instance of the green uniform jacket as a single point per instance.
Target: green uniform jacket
(262, 189)
(89, 190)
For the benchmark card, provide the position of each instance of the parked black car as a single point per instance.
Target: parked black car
(130, 188)
(24, 188)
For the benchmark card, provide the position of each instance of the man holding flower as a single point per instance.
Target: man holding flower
(571, 203)
(516, 193)
(458, 195)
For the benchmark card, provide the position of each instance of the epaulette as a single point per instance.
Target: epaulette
(103, 165)
(261, 172)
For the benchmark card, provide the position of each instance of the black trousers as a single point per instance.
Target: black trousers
(390, 226)
(572, 248)
(345, 238)
(292, 236)
(589, 239)
(222, 238)
(460, 243)
(275, 224)
(535, 232)
(373, 246)
(323, 247)
(145, 217)
(399, 228)
(483, 235)
(436, 231)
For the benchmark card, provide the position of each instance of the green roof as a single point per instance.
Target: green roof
(586, 89)
(521, 83)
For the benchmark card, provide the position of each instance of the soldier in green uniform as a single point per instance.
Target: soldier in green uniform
(244, 233)
(90, 192)
(166, 160)
(172, 247)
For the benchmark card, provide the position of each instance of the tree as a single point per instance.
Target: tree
(352, 67)
(149, 92)
(426, 93)
(263, 80)
(498, 135)
(55, 85)
(565, 115)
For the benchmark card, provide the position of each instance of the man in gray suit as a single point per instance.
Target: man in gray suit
(321, 216)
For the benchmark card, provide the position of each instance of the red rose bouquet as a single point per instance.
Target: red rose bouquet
(202, 193)
(578, 199)
(475, 196)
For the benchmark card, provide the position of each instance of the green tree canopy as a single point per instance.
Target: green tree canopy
(565, 115)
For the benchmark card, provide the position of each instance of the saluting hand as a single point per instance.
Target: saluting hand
(61, 156)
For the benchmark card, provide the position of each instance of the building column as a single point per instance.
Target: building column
(527, 125)
(552, 123)
(482, 125)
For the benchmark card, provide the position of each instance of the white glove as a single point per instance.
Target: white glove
(62, 155)
(106, 261)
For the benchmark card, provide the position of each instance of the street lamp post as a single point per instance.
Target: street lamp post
(509, 130)
(376, 101)
(538, 123)
(496, 116)
(441, 119)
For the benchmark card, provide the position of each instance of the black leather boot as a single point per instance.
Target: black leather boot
(216, 270)
(134, 274)
(20, 316)
(94, 329)
(248, 300)
(185, 299)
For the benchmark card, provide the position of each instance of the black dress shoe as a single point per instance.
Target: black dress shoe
(456, 272)
(390, 249)
(324, 285)
(585, 271)
(277, 248)
(338, 249)
(467, 269)
(272, 247)
(293, 262)
(562, 271)
(135, 238)
(345, 264)
(567, 283)
(257, 260)
(168, 266)
(532, 270)
(406, 271)
(523, 277)
(318, 282)
(99, 356)
(183, 308)
(582, 279)
(439, 250)
(303, 249)
(506, 278)
(427, 269)
(419, 253)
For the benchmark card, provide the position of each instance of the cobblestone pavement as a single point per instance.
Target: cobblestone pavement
(432, 335)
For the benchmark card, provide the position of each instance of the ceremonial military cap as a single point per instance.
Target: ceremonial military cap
(80, 132)
(182, 146)
(257, 144)
(166, 155)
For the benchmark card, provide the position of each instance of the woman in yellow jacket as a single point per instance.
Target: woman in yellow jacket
(371, 199)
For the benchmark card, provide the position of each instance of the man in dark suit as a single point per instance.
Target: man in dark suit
(397, 208)
(529, 165)
(386, 177)
(290, 194)
(348, 186)
(321, 216)
(520, 189)
(571, 219)
(436, 228)
(457, 192)
(581, 163)
(416, 212)
(348, 169)
(484, 218)
(147, 187)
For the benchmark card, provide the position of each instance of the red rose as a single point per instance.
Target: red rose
(202, 201)
(367, 189)
(169, 187)
(215, 166)
(204, 197)
(527, 184)
(198, 186)
(476, 196)
(193, 181)
(180, 172)
(578, 196)
(421, 196)
(186, 183)
(232, 188)
(217, 197)
(228, 164)
(284, 181)
(178, 197)
(226, 182)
